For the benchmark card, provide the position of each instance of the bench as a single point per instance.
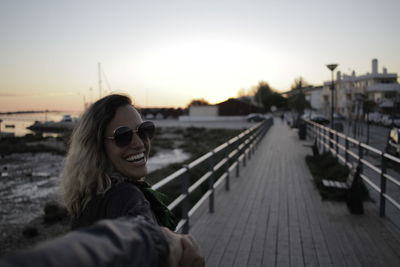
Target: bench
(341, 185)
(353, 190)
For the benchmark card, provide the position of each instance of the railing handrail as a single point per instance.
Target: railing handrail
(237, 148)
(326, 138)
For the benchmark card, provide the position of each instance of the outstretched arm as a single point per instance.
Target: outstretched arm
(120, 242)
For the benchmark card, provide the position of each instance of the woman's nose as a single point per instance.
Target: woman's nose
(136, 141)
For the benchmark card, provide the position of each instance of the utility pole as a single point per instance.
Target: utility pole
(332, 67)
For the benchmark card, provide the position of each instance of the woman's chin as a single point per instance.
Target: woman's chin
(137, 175)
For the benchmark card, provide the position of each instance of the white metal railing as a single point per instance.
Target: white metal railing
(348, 150)
(221, 161)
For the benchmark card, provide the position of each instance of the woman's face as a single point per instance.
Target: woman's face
(129, 160)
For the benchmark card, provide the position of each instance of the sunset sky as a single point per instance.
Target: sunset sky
(167, 52)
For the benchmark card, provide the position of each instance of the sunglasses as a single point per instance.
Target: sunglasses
(123, 135)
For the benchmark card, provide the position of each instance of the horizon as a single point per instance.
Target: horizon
(166, 54)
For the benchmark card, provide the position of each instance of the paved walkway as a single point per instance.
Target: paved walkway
(274, 216)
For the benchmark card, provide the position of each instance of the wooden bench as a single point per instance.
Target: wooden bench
(341, 185)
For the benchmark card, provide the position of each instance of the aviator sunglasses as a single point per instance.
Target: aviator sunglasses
(123, 135)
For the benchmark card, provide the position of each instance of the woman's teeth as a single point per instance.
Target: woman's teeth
(136, 157)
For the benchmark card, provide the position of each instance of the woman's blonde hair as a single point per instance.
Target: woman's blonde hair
(86, 166)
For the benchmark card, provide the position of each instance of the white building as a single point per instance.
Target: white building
(351, 91)
(313, 95)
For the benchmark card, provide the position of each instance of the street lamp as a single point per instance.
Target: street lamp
(332, 67)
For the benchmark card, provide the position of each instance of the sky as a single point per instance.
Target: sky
(168, 52)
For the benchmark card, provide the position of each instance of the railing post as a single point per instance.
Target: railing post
(318, 136)
(382, 202)
(337, 144)
(238, 164)
(360, 156)
(249, 153)
(227, 185)
(346, 155)
(211, 184)
(185, 204)
(244, 157)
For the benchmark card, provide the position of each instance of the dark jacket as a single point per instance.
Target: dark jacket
(122, 199)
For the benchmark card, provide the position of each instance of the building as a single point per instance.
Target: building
(351, 91)
(313, 95)
(228, 108)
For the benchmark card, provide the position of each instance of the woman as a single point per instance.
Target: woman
(105, 168)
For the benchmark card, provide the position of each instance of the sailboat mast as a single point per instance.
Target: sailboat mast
(99, 74)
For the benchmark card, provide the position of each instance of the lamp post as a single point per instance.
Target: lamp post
(332, 67)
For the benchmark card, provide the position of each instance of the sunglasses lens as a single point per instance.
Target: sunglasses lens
(123, 136)
(146, 130)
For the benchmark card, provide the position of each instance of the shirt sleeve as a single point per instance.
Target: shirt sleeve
(121, 242)
(127, 200)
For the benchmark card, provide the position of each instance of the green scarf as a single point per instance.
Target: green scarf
(157, 203)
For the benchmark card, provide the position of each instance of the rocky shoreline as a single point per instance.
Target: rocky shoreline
(29, 181)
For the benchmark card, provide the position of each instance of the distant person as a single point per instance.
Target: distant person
(125, 241)
(105, 168)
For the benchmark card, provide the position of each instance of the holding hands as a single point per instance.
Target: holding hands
(184, 250)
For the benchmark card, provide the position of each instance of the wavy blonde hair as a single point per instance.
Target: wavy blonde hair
(86, 166)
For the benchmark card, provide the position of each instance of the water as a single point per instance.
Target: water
(22, 121)
(164, 158)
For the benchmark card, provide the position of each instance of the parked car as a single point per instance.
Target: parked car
(318, 118)
(338, 116)
(374, 117)
(66, 118)
(255, 117)
(393, 142)
(388, 120)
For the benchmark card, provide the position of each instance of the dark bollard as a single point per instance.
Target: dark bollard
(338, 126)
(302, 130)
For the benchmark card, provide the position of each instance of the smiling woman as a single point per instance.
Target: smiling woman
(106, 165)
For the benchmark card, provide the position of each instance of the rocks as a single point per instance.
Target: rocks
(54, 212)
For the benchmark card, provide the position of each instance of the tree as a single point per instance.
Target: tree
(268, 97)
(198, 102)
(299, 83)
(297, 100)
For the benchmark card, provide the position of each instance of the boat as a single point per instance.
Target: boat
(66, 124)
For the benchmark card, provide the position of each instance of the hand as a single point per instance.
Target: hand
(184, 250)
(191, 253)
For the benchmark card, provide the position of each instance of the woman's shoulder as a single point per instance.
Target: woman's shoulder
(126, 199)
(123, 194)
(123, 187)
(123, 191)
